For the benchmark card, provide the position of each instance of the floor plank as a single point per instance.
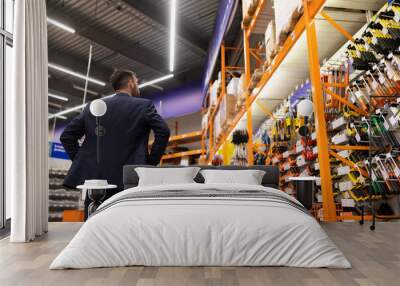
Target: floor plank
(375, 257)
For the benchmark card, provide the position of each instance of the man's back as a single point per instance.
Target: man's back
(127, 125)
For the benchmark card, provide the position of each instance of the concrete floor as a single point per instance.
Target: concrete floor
(375, 257)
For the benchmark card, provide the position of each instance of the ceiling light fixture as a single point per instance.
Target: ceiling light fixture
(58, 116)
(151, 82)
(76, 74)
(157, 87)
(172, 35)
(60, 25)
(63, 98)
(66, 111)
(83, 89)
(76, 108)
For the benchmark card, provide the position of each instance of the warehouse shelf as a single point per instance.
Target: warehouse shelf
(319, 42)
(314, 7)
(185, 138)
(181, 154)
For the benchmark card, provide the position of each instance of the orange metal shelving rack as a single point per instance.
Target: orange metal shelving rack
(306, 23)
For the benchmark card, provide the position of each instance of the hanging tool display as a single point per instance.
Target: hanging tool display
(290, 140)
(239, 140)
(374, 92)
(262, 144)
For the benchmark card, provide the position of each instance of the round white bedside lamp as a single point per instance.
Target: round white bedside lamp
(98, 108)
(305, 108)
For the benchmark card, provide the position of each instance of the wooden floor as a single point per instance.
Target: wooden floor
(375, 257)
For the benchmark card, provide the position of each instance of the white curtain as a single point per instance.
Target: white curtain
(26, 124)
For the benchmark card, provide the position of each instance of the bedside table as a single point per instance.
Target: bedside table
(305, 189)
(96, 195)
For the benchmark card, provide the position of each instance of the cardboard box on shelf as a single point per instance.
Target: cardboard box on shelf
(214, 93)
(241, 97)
(287, 12)
(245, 15)
(227, 110)
(248, 9)
(204, 121)
(217, 127)
(271, 47)
(232, 87)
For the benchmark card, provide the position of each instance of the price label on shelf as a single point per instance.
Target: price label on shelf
(286, 166)
(393, 121)
(386, 124)
(396, 15)
(314, 136)
(343, 170)
(338, 122)
(299, 148)
(301, 161)
(345, 186)
(381, 79)
(374, 84)
(344, 154)
(396, 172)
(390, 73)
(348, 203)
(358, 137)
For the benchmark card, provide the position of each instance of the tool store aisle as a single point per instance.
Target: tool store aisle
(313, 87)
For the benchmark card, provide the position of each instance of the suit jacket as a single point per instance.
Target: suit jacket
(127, 125)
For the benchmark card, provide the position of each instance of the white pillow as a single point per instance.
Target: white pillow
(246, 177)
(166, 176)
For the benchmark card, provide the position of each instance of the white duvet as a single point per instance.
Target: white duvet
(200, 231)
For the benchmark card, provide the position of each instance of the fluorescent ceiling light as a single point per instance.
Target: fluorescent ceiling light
(63, 98)
(83, 89)
(76, 74)
(172, 34)
(157, 87)
(72, 109)
(58, 116)
(151, 82)
(52, 104)
(77, 108)
(60, 25)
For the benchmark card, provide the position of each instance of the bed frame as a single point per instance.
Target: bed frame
(270, 179)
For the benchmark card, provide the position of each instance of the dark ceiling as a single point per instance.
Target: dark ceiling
(128, 34)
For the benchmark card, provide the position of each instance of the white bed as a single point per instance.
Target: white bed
(185, 230)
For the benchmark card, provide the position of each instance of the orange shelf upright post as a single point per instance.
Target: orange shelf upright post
(328, 204)
(223, 71)
(247, 76)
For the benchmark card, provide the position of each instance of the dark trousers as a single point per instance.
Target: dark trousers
(109, 194)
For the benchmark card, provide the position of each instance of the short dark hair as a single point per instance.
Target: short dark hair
(120, 78)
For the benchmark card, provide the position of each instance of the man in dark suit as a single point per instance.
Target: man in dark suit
(126, 126)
